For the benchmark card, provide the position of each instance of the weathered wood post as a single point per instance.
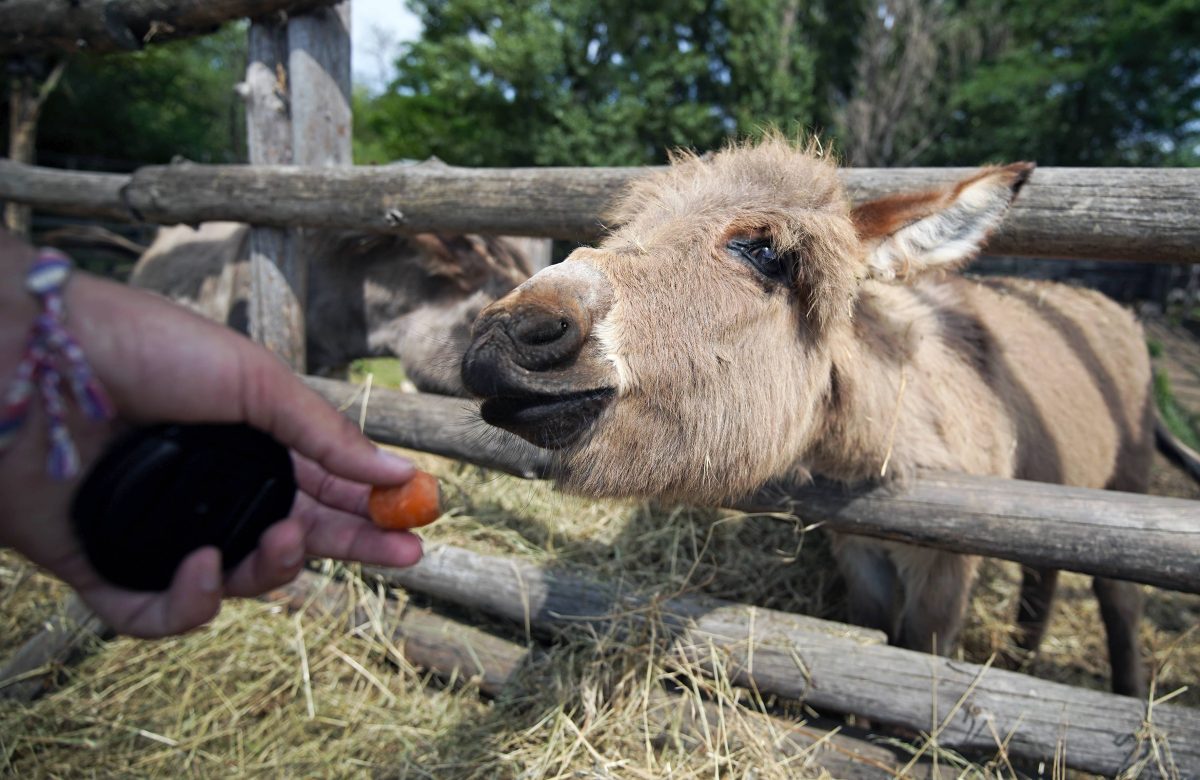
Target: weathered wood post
(319, 65)
(28, 92)
(297, 92)
(277, 281)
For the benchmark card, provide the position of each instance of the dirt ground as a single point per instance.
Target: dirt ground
(1168, 479)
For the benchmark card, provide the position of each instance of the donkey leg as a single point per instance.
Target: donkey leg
(1121, 611)
(937, 588)
(1120, 601)
(1033, 611)
(871, 583)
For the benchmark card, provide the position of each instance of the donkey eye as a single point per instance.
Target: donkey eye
(762, 256)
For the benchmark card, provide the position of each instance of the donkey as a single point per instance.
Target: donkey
(742, 323)
(369, 294)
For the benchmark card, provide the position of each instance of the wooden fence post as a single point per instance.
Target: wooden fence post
(319, 66)
(278, 282)
(297, 92)
(27, 96)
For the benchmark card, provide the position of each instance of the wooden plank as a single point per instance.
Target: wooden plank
(28, 92)
(459, 652)
(278, 276)
(1101, 213)
(120, 25)
(970, 708)
(79, 194)
(1126, 536)
(319, 69)
(265, 92)
(531, 596)
(27, 673)
(442, 425)
(70, 237)
(1143, 214)
(298, 110)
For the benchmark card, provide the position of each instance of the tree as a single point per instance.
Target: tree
(594, 83)
(1083, 82)
(149, 106)
(911, 55)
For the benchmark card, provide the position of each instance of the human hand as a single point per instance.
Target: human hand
(161, 363)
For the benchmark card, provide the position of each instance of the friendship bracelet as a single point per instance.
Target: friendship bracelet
(50, 353)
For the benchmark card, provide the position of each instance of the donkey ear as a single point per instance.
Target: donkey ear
(907, 234)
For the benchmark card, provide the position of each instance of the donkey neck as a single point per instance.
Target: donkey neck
(873, 358)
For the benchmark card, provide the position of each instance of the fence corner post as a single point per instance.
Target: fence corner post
(278, 275)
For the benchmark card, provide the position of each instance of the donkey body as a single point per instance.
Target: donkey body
(742, 323)
(368, 294)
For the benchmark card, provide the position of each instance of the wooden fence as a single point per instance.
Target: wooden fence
(1139, 214)
(29, 27)
(1144, 214)
(1107, 533)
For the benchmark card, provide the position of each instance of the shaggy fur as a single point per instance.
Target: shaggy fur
(876, 361)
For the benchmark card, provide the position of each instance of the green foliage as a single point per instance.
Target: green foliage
(595, 83)
(620, 82)
(384, 372)
(1185, 426)
(1081, 82)
(149, 106)
(612, 82)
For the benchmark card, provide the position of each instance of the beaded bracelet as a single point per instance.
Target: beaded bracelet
(49, 353)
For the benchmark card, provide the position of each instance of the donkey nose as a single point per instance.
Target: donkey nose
(530, 343)
(545, 336)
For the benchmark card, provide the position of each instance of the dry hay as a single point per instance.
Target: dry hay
(265, 692)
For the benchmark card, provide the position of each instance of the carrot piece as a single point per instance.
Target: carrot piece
(416, 503)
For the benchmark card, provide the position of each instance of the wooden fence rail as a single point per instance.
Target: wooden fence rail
(1144, 214)
(456, 651)
(967, 707)
(37, 26)
(1126, 536)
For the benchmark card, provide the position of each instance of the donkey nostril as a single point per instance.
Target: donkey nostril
(538, 332)
(543, 339)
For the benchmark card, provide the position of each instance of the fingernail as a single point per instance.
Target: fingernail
(293, 559)
(403, 467)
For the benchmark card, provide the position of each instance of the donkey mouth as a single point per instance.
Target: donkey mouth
(552, 422)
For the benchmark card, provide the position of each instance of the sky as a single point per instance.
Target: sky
(377, 27)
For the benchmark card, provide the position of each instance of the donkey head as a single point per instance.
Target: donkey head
(689, 355)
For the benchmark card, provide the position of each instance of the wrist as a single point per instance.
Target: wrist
(52, 370)
(28, 494)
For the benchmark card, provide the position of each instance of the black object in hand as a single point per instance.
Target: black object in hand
(161, 492)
